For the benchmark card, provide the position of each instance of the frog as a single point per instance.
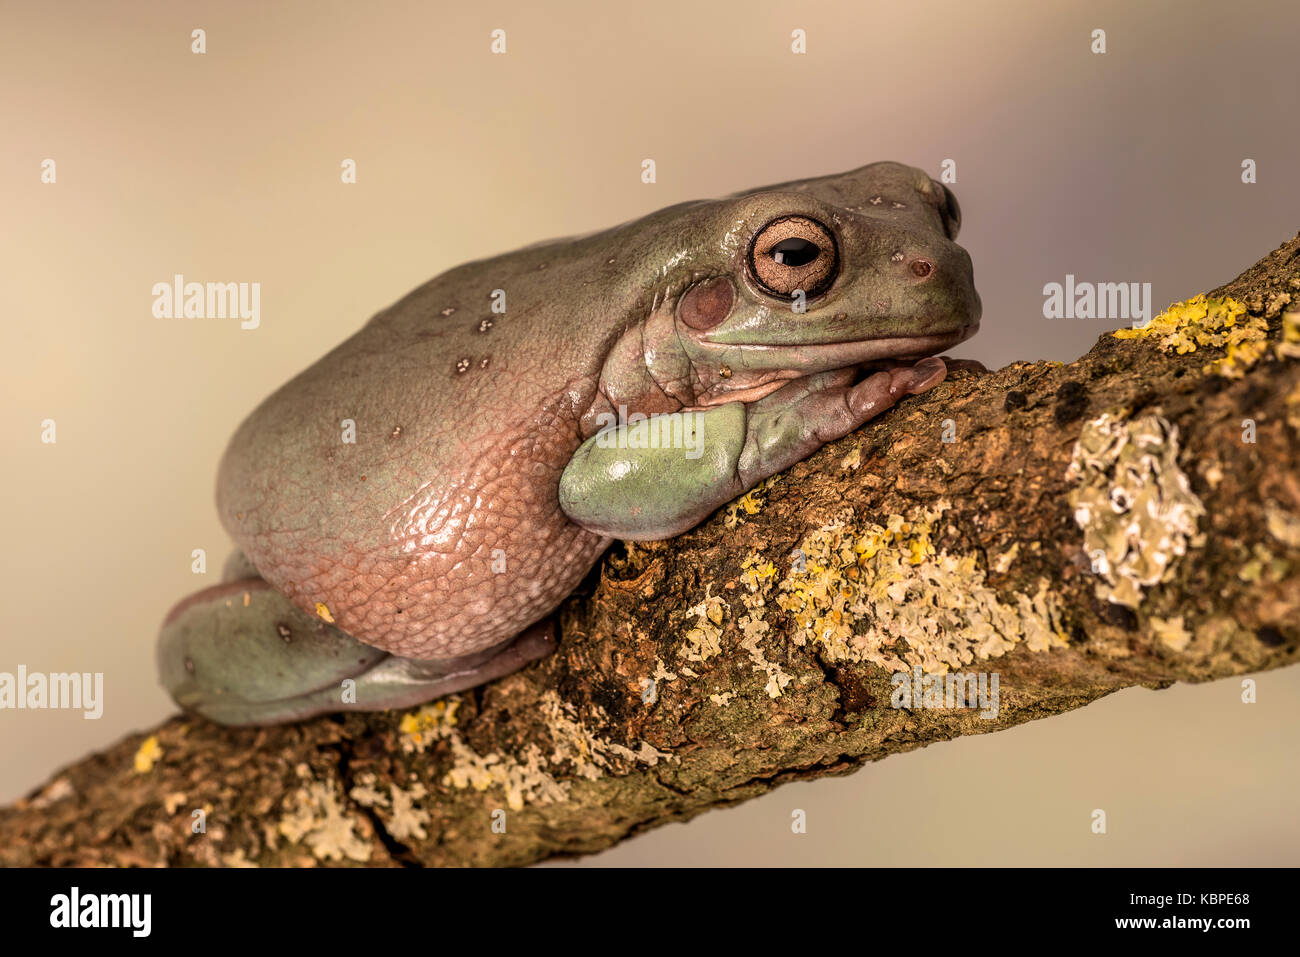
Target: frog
(411, 510)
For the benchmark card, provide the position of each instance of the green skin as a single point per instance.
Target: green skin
(480, 488)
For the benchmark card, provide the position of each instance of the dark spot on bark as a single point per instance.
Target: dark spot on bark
(1143, 399)
(1077, 635)
(1015, 400)
(1071, 402)
(1268, 635)
(1121, 616)
(284, 631)
(614, 701)
(1255, 396)
(189, 665)
(855, 697)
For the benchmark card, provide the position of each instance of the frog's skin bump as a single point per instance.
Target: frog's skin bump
(425, 557)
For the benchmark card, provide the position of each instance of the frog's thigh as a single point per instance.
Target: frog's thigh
(658, 477)
(242, 653)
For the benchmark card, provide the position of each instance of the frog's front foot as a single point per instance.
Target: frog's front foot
(795, 421)
(241, 653)
(657, 478)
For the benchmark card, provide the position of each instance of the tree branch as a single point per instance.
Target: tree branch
(1074, 529)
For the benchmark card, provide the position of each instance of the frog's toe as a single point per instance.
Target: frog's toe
(241, 653)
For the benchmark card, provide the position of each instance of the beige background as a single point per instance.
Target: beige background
(1122, 167)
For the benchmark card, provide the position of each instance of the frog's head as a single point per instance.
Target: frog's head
(825, 273)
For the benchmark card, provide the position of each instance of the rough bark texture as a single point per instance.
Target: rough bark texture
(692, 674)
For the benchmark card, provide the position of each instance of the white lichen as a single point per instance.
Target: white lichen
(703, 639)
(758, 575)
(315, 816)
(529, 778)
(1283, 525)
(1133, 503)
(885, 594)
(60, 789)
(404, 817)
(524, 781)
(1171, 633)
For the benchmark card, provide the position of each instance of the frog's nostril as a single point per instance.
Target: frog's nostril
(921, 268)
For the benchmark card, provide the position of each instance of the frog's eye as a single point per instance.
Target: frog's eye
(794, 252)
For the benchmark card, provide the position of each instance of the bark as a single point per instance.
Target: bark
(692, 674)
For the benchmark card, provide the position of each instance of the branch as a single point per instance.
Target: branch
(1086, 528)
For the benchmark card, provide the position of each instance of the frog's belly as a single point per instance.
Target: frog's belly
(456, 567)
(432, 545)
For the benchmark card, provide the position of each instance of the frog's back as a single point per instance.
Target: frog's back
(405, 484)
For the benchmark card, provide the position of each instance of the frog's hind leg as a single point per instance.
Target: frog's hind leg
(241, 653)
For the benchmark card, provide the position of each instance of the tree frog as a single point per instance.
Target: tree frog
(411, 509)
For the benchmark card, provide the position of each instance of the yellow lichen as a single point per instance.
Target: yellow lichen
(1215, 323)
(431, 722)
(1133, 502)
(1263, 566)
(1288, 347)
(323, 611)
(886, 594)
(148, 754)
(751, 503)
(1292, 403)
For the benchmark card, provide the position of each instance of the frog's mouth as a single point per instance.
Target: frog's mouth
(767, 368)
(841, 354)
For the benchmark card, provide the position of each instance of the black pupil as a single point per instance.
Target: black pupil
(795, 252)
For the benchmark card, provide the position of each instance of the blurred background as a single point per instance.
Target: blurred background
(1115, 167)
